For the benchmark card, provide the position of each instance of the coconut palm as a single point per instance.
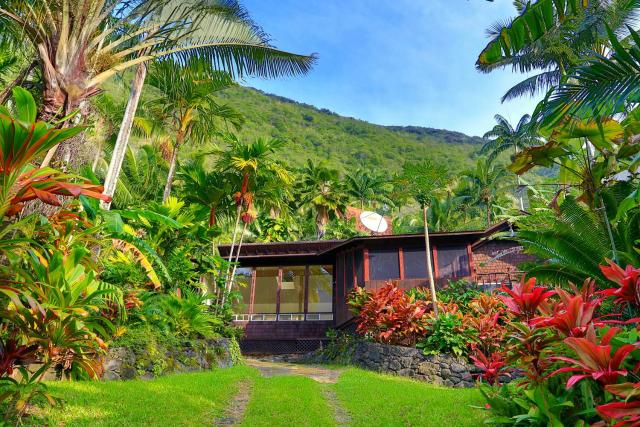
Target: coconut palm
(369, 188)
(424, 181)
(548, 38)
(185, 107)
(484, 185)
(322, 190)
(505, 137)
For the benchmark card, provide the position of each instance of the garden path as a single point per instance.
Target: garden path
(269, 368)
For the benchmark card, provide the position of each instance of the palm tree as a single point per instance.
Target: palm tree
(424, 180)
(368, 188)
(248, 161)
(210, 189)
(484, 184)
(550, 39)
(185, 107)
(81, 46)
(321, 189)
(505, 137)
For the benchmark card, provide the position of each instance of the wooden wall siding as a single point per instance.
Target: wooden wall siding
(284, 330)
(498, 257)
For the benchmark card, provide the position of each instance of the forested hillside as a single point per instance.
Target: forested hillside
(343, 141)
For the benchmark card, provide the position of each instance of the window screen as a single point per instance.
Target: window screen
(348, 284)
(292, 290)
(320, 289)
(453, 261)
(383, 264)
(359, 268)
(242, 285)
(266, 292)
(415, 263)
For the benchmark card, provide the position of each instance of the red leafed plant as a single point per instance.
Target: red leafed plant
(491, 367)
(22, 139)
(573, 314)
(525, 299)
(627, 412)
(390, 315)
(628, 281)
(595, 359)
(13, 354)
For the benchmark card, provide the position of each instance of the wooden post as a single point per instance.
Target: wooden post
(252, 294)
(306, 291)
(472, 272)
(401, 263)
(278, 293)
(365, 266)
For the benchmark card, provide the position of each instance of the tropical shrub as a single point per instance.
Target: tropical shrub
(460, 292)
(446, 334)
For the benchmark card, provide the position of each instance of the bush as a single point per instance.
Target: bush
(446, 334)
(459, 292)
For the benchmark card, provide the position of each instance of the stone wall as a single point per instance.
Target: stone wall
(441, 369)
(123, 363)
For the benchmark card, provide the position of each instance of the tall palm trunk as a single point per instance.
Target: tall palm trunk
(488, 212)
(322, 218)
(432, 284)
(172, 167)
(519, 182)
(228, 276)
(120, 149)
(235, 262)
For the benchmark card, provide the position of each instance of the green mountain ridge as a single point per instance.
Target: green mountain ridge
(345, 142)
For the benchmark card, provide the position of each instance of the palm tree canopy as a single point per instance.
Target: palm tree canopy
(505, 137)
(321, 188)
(368, 188)
(81, 45)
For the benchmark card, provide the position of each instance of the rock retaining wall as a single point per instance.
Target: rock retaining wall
(441, 369)
(123, 363)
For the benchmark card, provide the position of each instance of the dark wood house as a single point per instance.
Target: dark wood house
(294, 292)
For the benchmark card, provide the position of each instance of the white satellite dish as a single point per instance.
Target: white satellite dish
(373, 221)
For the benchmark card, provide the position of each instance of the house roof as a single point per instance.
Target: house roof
(320, 248)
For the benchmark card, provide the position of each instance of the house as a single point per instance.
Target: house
(293, 292)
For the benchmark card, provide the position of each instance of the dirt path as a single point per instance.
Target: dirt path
(235, 411)
(342, 417)
(318, 373)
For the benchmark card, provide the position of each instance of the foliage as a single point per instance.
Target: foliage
(446, 334)
(460, 292)
(389, 315)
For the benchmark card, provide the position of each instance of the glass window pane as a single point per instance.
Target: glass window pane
(243, 286)
(359, 267)
(383, 264)
(453, 261)
(415, 263)
(292, 290)
(266, 293)
(320, 289)
(348, 284)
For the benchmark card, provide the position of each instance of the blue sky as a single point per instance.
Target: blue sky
(393, 62)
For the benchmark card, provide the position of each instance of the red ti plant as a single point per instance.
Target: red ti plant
(628, 412)
(595, 360)
(628, 281)
(390, 315)
(491, 368)
(525, 299)
(573, 314)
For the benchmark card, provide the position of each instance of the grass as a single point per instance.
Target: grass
(197, 399)
(178, 400)
(287, 401)
(383, 400)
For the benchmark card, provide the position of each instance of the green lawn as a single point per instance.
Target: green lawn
(197, 399)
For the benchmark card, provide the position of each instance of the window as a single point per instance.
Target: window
(348, 275)
(383, 264)
(453, 261)
(415, 263)
(243, 286)
(320, 289)
(359, 267)
(292, 290)
(266, 292)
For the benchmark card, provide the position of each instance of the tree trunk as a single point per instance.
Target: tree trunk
(212, 216)
(322, 218)
(230, 278)
(432, 284)
(120, 149)
(233, 243)
(172, 170)
(488, 213)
